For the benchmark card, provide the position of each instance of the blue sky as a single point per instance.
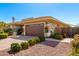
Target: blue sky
(68, 13)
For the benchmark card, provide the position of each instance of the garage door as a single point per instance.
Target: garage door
(35, 30)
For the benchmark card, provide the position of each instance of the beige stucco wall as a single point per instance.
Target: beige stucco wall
(51, 27)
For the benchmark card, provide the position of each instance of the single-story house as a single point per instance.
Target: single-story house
(41, 26)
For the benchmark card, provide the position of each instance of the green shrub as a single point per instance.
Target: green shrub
(74, 52)
(7, 30)
(75, 45)
(37, 40)
(32, 42)
(1, 32)
(42, 39)
(24, 45)
(77, 50)
(58, 37)
(15, 47)
(55, 34)
(3, 35)
(76, 39)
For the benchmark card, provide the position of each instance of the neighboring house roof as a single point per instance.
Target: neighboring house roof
(42, 19)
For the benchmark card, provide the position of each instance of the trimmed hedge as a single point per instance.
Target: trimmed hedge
(24, 45)
(15, 47)
(31, 42)
(37, 40)
(42, 39)
(3, 35)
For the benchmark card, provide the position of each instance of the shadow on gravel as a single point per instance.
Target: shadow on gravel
(50, 43)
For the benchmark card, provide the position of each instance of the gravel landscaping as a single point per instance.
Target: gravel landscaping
(46, 48)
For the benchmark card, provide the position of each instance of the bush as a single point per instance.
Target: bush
(76, 40)
(75, 45)
(24, 45)
(3, 35)
(32, 42)
(58, 36)
(37, 40)
(75, 51)
(42, 39)
(7, 30)
(77, 48)
(15, 47)
(1, 32)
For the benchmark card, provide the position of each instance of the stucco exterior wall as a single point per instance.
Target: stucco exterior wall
(51, 28)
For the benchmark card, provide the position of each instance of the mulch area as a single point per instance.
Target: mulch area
(46, 48)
